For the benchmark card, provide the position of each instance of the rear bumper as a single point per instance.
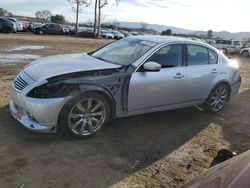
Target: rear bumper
(235, 88)
(38, 115)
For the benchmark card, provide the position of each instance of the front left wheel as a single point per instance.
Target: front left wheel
(85, 115)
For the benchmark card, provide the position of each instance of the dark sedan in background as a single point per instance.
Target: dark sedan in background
(7, 26)
(50, 28)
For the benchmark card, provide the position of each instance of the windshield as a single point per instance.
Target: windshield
(124, 52)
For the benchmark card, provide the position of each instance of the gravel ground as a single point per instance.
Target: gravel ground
(164, 149)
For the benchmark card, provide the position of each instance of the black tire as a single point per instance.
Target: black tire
(6, 29)
(65, 119)
(40, 32)
(60, 32)
(245, 53)
(220, 100)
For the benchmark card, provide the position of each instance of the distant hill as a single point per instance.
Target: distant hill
(227, 35)
(156, 27)
(160, 28)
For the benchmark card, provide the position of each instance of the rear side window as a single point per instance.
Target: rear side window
(213, 57)
(197, 55)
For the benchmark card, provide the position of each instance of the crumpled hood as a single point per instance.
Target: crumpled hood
(48, 67)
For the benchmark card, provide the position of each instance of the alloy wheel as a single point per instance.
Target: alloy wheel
(87, 116)
(245, 54)
(218, 98)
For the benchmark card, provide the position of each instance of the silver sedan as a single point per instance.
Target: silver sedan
(81, 93)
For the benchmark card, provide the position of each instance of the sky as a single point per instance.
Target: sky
(218, 15)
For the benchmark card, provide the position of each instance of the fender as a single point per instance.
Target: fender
(112, 82)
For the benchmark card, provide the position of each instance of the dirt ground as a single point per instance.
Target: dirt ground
(165, 149)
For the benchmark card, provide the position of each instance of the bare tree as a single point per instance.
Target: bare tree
(99, 4)
(95, 18)
(78, 4)
(144, 26)
(44, 15)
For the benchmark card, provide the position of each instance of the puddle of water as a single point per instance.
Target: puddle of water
(15, 58)
(27, 47)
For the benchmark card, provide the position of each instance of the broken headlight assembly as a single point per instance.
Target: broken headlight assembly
(48, 91)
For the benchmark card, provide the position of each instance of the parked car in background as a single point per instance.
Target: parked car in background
(228, 46)
(50, 28)
(25, 25)
(106, 34)
(134, 33)
(125, 33)
(117, 34)
(66, 29)
(19, 25)
(7, 26)
(135, 75)
(33, 25)
(233, 173)
(245, 52)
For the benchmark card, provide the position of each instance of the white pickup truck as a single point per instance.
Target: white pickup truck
(228, 46)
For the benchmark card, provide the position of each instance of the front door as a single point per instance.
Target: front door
(158, 89)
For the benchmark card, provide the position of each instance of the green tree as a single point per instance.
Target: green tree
(4, 12)
(57, 19)
(167, 32)
(210, 34)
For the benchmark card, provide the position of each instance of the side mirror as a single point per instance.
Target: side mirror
(152, 66)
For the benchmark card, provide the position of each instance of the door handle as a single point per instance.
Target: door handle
(178, 76)
(214, 71)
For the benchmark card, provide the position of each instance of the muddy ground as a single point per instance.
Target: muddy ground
(164, 149)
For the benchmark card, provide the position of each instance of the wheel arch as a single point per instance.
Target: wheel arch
(245, 50)
(225, 82)
(102, 91)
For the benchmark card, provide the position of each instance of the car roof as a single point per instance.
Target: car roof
(6, 19)
(164, 39)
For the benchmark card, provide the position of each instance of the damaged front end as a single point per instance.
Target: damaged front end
(114, 83)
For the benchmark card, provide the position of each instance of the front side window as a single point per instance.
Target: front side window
(168, 56)
(124, 52)
(197, 55)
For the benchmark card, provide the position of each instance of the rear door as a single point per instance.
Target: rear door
(158, 89)
(49, 28)
(202, 68)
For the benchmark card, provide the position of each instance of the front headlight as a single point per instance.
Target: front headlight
(48, 91)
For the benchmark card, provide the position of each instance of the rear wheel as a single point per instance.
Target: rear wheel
(40, 32)
(217, 98)
(245, 53)
(85, 115)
